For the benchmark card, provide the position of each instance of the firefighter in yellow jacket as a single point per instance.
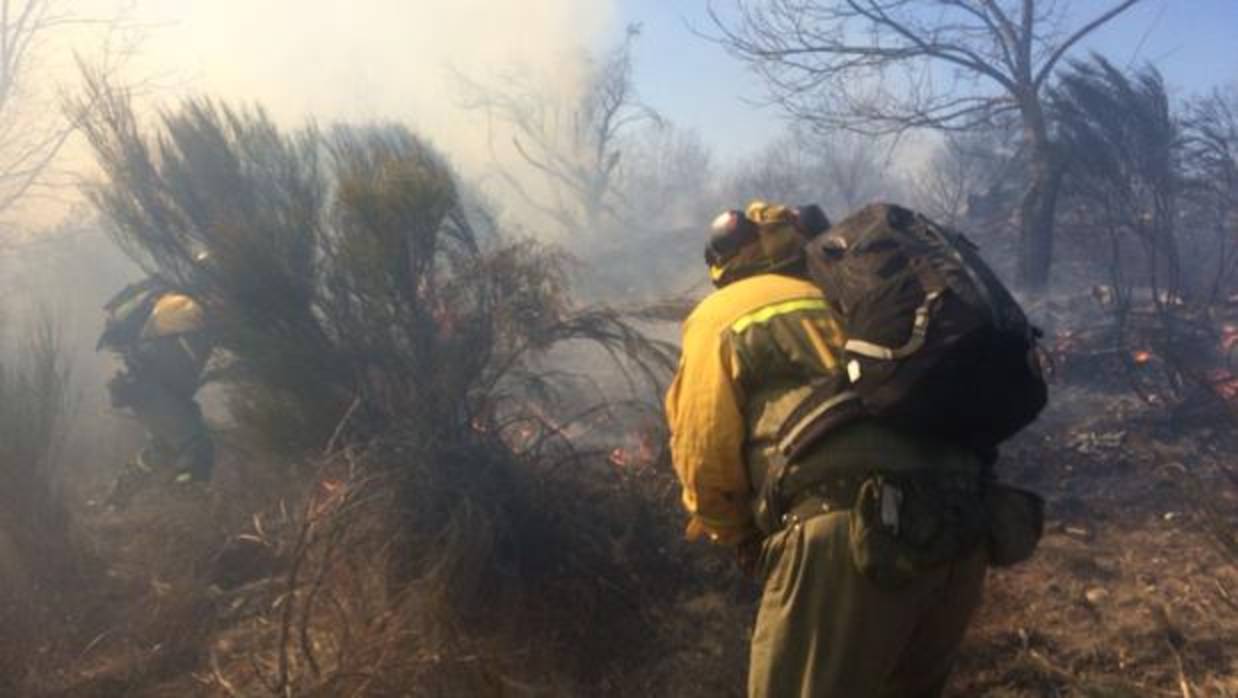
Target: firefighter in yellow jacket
(161, 337)
(753, 352)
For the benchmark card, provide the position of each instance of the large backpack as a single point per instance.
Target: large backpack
(128, 311)
(934, 342)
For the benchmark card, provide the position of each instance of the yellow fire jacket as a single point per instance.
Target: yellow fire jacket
(752, 351)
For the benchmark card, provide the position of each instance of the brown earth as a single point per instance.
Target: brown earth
(1133, 592)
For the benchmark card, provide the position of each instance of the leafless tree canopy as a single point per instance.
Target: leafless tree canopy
(32, 127)
(887, 66)
(837, 169)
(968, 180)
(882, 66)
(668, 177)
(1210, 157)
(575, 148)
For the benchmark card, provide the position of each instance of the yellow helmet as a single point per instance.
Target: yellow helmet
(173, 314)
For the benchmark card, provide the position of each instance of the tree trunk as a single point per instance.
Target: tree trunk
(1037, 217)
(1038, 209)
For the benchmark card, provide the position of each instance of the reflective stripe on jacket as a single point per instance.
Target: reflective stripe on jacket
(752, 351)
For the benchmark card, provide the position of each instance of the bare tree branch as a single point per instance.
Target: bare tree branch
(33, 129)
(1047, 67)
(889, 66)
(574, 147)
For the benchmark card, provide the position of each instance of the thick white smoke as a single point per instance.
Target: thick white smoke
(379, 59)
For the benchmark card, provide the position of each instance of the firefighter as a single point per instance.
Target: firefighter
(161, 337)
(753, 351)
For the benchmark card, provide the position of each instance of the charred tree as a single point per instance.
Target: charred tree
(1210, 163)
(1126, 185)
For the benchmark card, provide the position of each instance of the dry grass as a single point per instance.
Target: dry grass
(41, 557)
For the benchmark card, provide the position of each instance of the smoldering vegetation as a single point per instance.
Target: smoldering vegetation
(441, 462)
(378, 331)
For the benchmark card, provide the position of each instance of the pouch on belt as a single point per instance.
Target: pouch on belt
(1016, 522)
(902, 526)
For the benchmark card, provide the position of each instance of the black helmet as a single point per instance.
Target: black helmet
(729, 233)
(810, 220)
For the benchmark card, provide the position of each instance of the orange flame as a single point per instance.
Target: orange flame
(1142, 356)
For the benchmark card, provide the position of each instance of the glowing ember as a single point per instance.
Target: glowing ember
(640, 452)
(1224, 383)
(330, 493)
(1229, 337)
(445, 319)
(1142, 356)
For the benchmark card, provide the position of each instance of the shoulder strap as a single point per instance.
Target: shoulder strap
(829, 405)
(919, 330)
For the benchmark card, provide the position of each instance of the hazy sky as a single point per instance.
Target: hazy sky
(367, 59)
(1194, 42)
(377, 58)
(392, 59)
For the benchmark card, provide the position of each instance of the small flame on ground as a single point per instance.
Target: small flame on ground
(1229, 336)
(642, 454)
(1225, 383)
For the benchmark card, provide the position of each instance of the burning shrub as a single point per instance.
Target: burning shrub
(365, 306)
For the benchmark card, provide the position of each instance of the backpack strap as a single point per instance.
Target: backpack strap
(919, 330)
(814, 418)
(823, 411)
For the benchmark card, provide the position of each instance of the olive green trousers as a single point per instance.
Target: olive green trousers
(824, 631)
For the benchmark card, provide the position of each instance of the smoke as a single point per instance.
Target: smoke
(325, 60)
(320, 60)
(379, 60)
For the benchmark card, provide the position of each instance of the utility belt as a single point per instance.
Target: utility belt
(827, 409)
(902, 520)
(903, 524)
(835, 494)
(842, 492)
(900, 524)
